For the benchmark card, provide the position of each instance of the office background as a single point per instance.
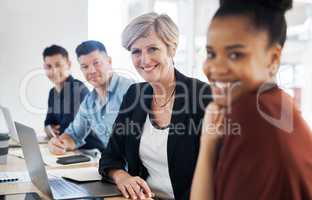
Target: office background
(27, 27)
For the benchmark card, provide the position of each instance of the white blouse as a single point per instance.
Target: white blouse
(153, 154)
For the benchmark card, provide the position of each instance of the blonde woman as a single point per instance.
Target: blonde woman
(155, 141)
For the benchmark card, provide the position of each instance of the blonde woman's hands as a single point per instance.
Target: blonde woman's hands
(132, 187)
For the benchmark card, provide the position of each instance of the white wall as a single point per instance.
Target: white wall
(101, 27)
(26, 28)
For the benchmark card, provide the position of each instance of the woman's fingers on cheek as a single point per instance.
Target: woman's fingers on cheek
(220, 117)
(213, 112)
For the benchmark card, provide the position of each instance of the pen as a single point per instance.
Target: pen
(56, 136)
(52, 132)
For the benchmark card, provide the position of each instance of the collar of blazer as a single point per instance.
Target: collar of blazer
(178, 114)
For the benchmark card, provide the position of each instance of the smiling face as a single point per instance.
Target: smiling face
(96, 68)
(57, 68)
(239, 58)
(151, 57)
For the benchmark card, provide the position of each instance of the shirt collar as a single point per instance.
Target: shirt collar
(113, 83)
(112, 86)
(69, 78)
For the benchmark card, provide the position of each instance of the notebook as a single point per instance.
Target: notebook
(79, 175)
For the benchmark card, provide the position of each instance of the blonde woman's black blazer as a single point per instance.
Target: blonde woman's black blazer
(122, 152)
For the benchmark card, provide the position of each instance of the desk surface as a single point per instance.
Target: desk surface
(18, 164)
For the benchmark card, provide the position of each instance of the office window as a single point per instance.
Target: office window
(106, 21)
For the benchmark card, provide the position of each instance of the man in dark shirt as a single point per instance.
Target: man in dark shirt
(66, 95)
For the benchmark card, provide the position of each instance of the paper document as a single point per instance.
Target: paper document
(78, 174)
(50, 159)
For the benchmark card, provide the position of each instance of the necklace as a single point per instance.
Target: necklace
(167, 100)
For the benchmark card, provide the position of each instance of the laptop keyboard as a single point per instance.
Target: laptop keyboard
(64, 188)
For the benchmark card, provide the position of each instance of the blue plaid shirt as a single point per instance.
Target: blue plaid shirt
(96, 116)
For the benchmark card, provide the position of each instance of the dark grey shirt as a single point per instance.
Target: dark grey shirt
(63, 105)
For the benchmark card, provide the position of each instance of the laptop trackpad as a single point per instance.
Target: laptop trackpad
(100, 189)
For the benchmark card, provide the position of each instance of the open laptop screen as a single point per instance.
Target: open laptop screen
(10, 123)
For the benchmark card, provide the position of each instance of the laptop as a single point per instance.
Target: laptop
(10, 124)
(56, 188)
(12, 129)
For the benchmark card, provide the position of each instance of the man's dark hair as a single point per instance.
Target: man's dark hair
(89, 46)
(54, 50)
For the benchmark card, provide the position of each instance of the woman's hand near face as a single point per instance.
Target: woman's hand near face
(212, 129)
(202, 187)
(132, 187)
